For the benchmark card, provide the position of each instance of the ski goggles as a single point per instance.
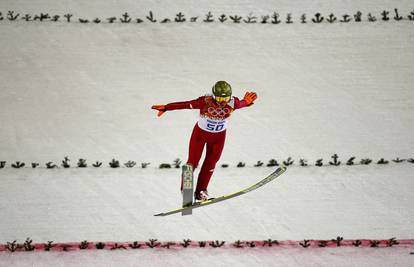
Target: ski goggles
(220, 99)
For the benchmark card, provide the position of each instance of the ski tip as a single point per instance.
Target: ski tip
(159, 214)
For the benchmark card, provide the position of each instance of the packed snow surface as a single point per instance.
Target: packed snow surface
(85, 91)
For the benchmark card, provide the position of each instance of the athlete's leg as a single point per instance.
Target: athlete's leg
(197, 142)
(213, 154)
(195, 150)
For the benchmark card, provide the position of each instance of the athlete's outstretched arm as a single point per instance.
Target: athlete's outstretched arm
(192, 104)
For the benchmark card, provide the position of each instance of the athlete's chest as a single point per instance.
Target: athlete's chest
(212, 110)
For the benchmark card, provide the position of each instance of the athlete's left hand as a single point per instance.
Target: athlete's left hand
(250, 97)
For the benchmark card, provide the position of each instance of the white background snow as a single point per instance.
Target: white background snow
(85, 91)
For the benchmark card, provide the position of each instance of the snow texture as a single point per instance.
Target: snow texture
(85, 91)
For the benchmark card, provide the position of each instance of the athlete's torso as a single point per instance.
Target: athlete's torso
(213, 117)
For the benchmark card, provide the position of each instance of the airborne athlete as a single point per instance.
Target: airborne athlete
(210, 129)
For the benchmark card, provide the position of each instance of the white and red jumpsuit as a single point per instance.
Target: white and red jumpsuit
(210, 130)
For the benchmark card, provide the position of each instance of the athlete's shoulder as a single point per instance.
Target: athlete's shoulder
(234, 102)
(206, 99)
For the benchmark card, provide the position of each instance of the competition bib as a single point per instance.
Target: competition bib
(212, 126)
(213, 118)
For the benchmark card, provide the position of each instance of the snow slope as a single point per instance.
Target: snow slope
(85, 91)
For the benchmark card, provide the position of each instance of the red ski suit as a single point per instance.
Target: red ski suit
(210, 130)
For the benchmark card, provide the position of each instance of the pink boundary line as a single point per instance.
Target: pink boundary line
(185, 244)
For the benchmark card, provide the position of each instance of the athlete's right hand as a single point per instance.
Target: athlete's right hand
(161, 109)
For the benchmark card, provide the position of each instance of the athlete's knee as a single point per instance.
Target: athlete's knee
(192, 164)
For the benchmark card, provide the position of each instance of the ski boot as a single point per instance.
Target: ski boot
(201, 196)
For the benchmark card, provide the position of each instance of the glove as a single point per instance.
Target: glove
(250, 97)
(161, 109)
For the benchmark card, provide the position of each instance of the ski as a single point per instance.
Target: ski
(188, 191)
(259, 184)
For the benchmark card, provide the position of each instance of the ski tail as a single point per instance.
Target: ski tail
(187, 187)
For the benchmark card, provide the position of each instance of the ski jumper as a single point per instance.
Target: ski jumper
(209, 131)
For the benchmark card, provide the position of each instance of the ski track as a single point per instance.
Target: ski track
(85, 91)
